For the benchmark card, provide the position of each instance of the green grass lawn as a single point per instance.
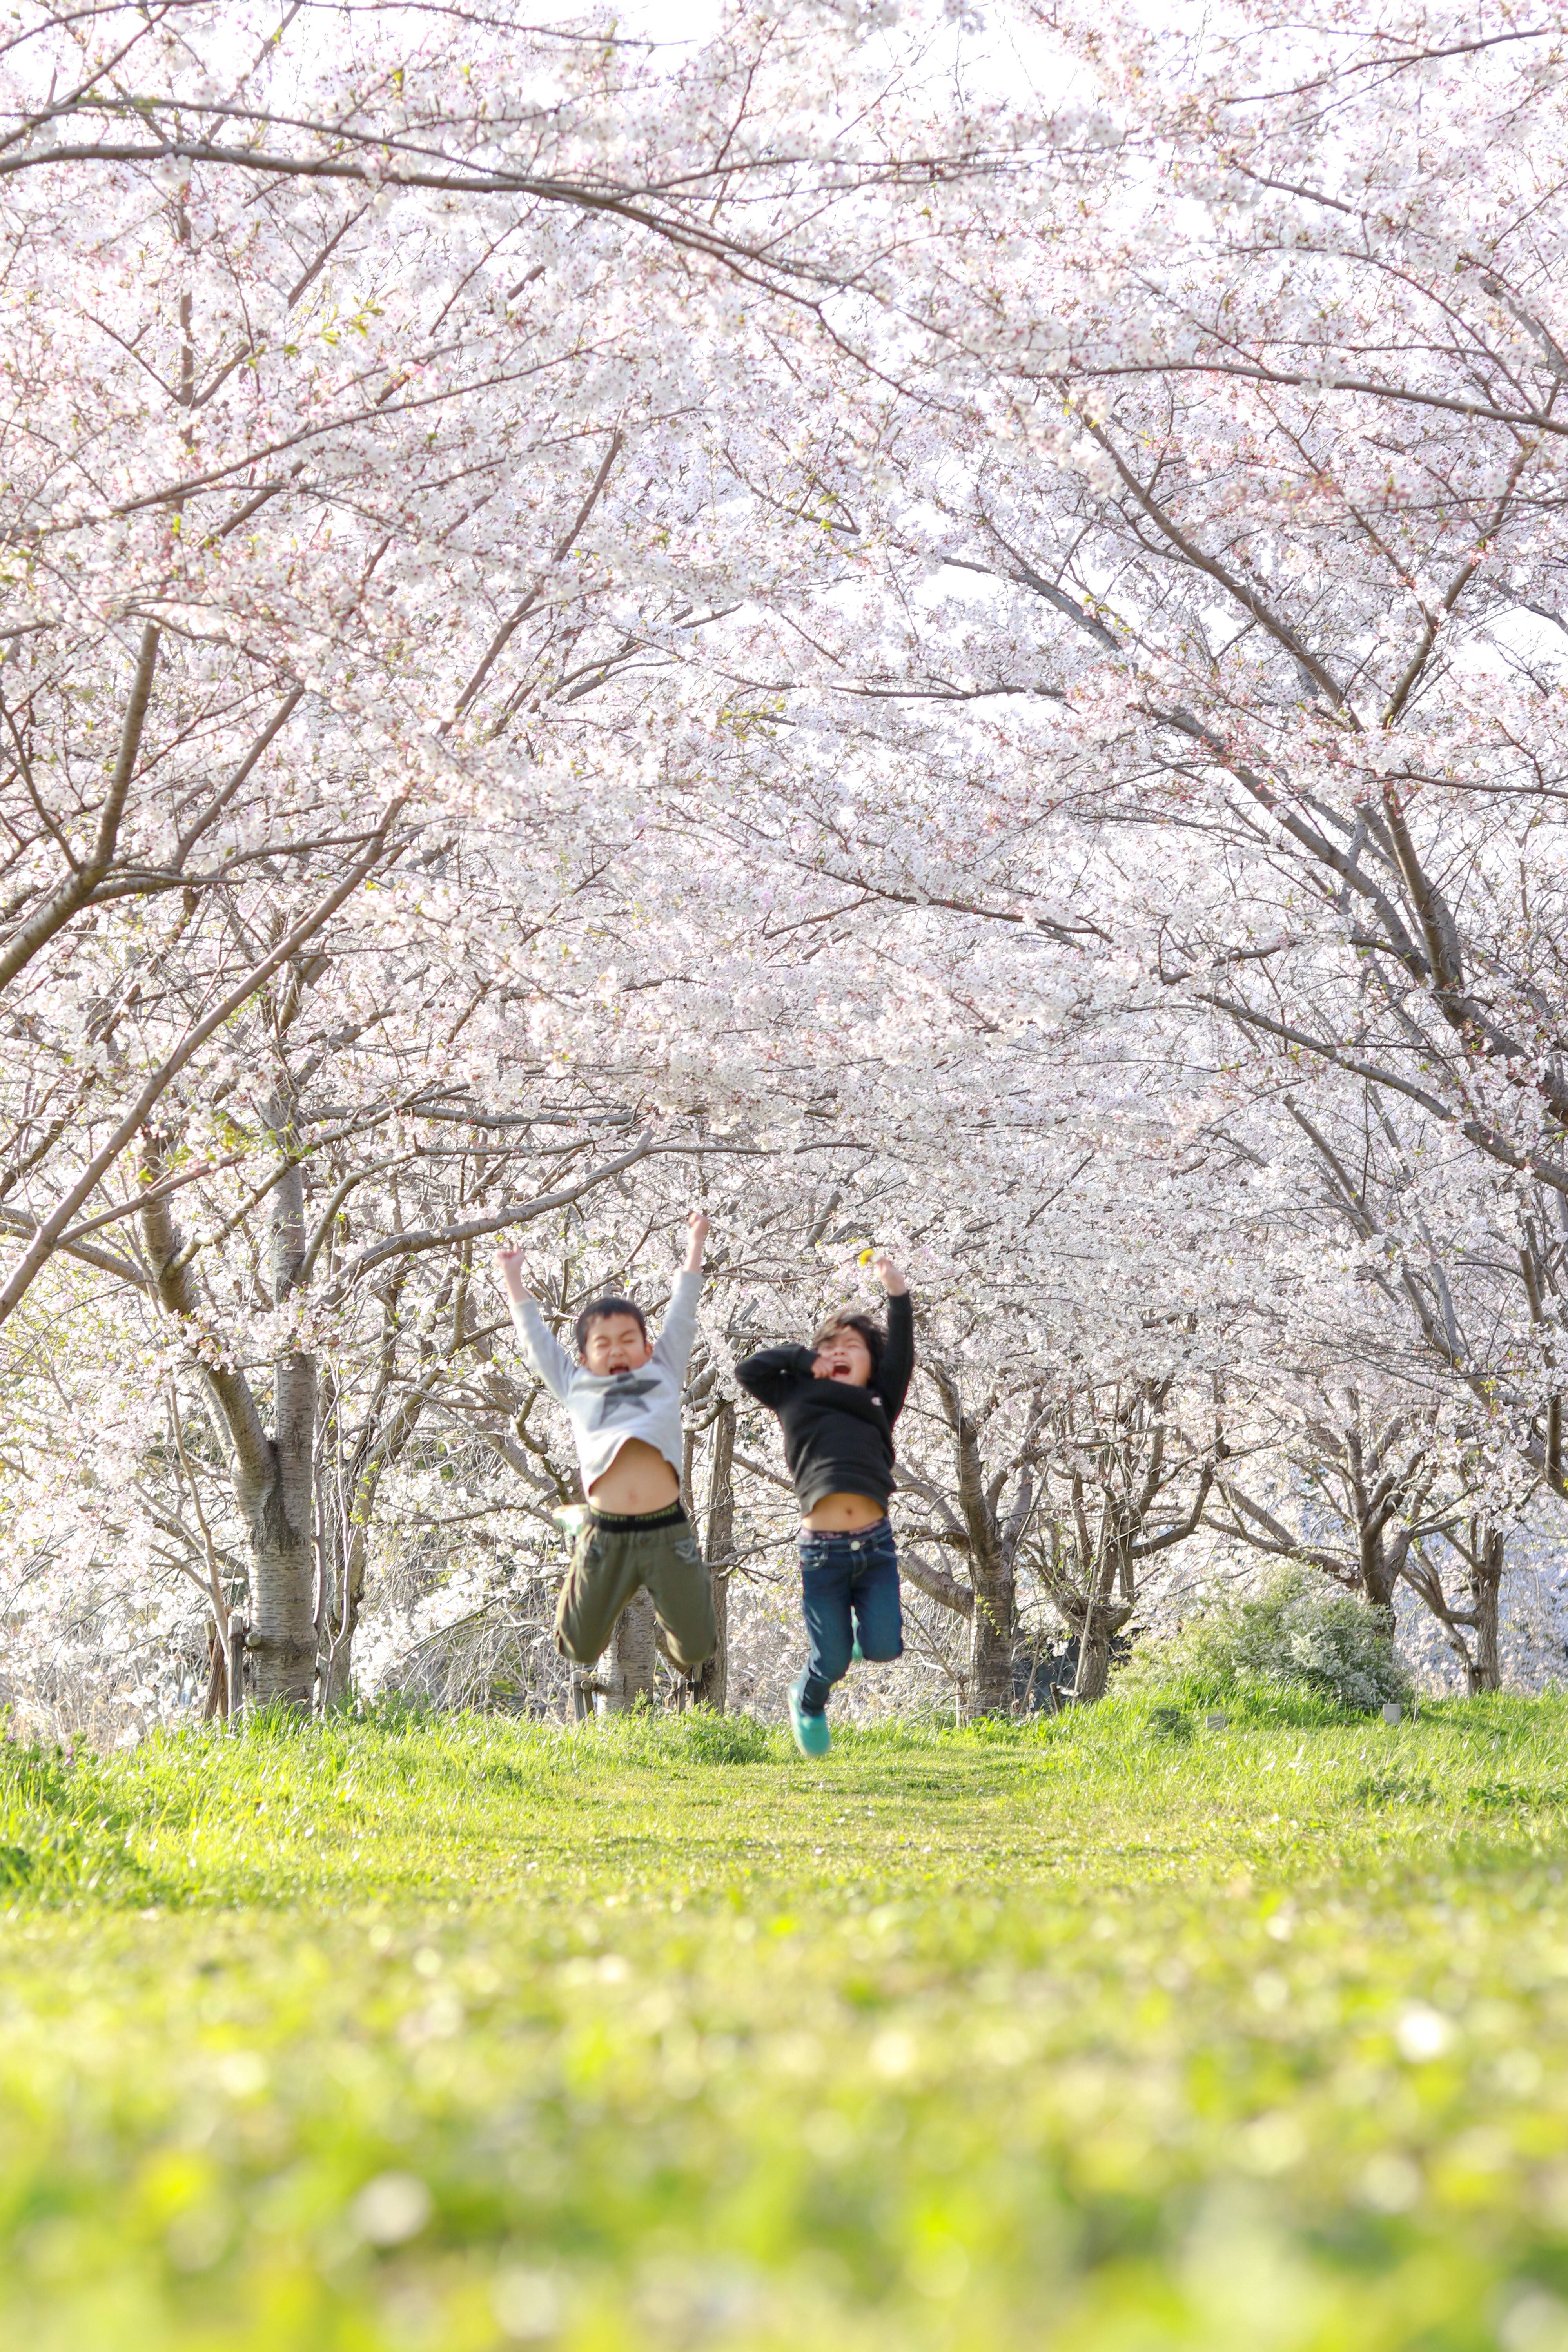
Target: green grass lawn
(462, 2033)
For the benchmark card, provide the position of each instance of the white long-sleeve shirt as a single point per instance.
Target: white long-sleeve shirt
(607, 1409)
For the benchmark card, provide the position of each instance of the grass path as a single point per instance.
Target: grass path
(466, 2034)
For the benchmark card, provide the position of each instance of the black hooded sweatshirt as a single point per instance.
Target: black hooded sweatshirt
(837, 1439)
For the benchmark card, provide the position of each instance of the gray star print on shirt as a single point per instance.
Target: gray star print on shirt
(623, 1399)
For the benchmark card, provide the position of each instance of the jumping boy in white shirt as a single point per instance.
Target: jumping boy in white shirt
(622, 1394)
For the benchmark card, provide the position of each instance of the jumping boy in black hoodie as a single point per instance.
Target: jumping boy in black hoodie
(838, 1400)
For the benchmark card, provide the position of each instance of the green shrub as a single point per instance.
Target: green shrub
(697, 1736)
(724, 1739)
(1293, 1638)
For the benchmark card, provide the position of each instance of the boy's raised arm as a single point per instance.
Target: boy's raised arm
(678, 1329)
(540, 1345)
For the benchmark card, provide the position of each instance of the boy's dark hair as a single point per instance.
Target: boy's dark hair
(598, 1309)
(871, 1330)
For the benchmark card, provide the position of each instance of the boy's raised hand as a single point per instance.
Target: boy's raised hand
(509, 1265)
(890, 1275)
(697, 1226)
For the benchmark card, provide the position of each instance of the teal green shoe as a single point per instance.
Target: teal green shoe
(811, 1733)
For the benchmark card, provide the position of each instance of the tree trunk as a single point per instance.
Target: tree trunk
(224, 1694)
(1097, 1627)
(272, 1476)
(626, 1672)
(1483, 1672)
(994, 1612)
(993, 1637)
(283, 1583)
(1093, 1656)
(1378, 1576)
(710, 1684)
(283, 1577)
(225, 1676)
(342, 1590)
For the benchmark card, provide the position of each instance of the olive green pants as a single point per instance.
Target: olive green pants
(612, 1557)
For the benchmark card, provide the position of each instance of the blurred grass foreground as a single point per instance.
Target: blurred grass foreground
(1119, 2030)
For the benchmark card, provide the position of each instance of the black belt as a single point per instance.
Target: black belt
(672, 1515)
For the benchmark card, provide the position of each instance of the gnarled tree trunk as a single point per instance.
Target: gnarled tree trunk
(1378, 1479)
(283, 1578)
(1096, 1629)
(272, 1476)
(1471, 1625)
(1114, 1462)
(993, 1637)
(990, 1546)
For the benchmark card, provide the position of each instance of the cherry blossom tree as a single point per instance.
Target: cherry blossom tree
(1200, 653)
(972, 649)
(352, 405)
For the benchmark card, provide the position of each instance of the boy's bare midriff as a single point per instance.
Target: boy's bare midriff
(640, 1480)
(843, 1515)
